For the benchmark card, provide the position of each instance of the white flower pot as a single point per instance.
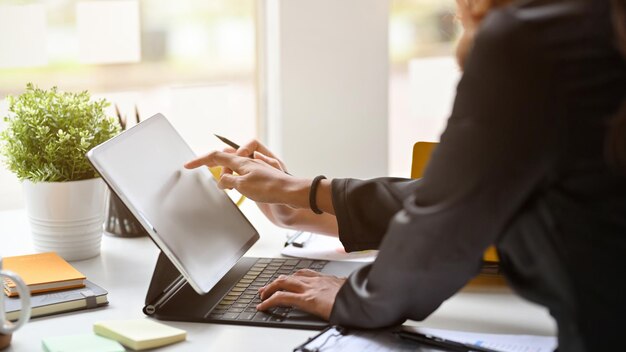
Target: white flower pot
(67, 217)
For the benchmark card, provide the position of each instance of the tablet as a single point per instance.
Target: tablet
(191, 220)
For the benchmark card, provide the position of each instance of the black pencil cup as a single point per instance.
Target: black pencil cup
(120, 222)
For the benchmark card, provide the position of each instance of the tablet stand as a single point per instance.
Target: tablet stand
(170, 297)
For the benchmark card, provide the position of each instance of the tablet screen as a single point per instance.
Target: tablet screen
(194, 223)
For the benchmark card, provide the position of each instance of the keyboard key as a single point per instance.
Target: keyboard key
(230, 316)
(240, 305)
(281, 311)
(246, 316)
(260, 316)
(304, 264)
(235, 310)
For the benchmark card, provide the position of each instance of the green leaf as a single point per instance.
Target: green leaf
(48, 133)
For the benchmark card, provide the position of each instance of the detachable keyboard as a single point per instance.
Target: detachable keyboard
(240, 302)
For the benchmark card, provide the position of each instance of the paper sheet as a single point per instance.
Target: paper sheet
(370, 341)
(381, 341)
(22, 36)
(500, 342)
(108, 31)
(324, 247)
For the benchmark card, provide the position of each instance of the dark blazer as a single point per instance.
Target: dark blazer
(520, 165)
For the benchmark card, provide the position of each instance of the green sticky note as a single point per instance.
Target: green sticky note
(139, 334)
(81, 343)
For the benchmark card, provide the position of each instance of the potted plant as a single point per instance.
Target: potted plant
(47, 135)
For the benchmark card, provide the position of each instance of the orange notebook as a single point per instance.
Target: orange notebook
(42, 272)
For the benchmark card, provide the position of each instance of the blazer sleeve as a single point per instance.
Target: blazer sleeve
(364, 208)
(497, 150)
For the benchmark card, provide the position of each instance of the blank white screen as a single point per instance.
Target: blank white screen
(195, 223)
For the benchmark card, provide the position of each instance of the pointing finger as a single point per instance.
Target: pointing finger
(216, 158)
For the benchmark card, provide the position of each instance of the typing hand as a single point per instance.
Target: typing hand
(306, 290)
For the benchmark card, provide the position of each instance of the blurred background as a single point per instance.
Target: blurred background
(196, 61)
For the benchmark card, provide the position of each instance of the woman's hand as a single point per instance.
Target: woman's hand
(260, 151)
(281, 211)
(255, 179)
(306, 290)
(279, 214)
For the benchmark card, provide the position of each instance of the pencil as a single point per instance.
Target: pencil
(236, 146)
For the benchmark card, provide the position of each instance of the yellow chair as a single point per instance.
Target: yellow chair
(421, 155)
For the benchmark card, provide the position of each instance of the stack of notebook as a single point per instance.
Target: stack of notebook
(55, 286)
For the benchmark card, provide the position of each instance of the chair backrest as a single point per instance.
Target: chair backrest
(421, 155)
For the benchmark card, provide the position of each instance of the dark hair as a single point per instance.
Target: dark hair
(616, 146)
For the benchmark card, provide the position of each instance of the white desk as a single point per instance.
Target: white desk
(125, 266)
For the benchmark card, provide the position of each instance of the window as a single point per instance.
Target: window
(194, 62)
(197, 65)
(423, 75)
